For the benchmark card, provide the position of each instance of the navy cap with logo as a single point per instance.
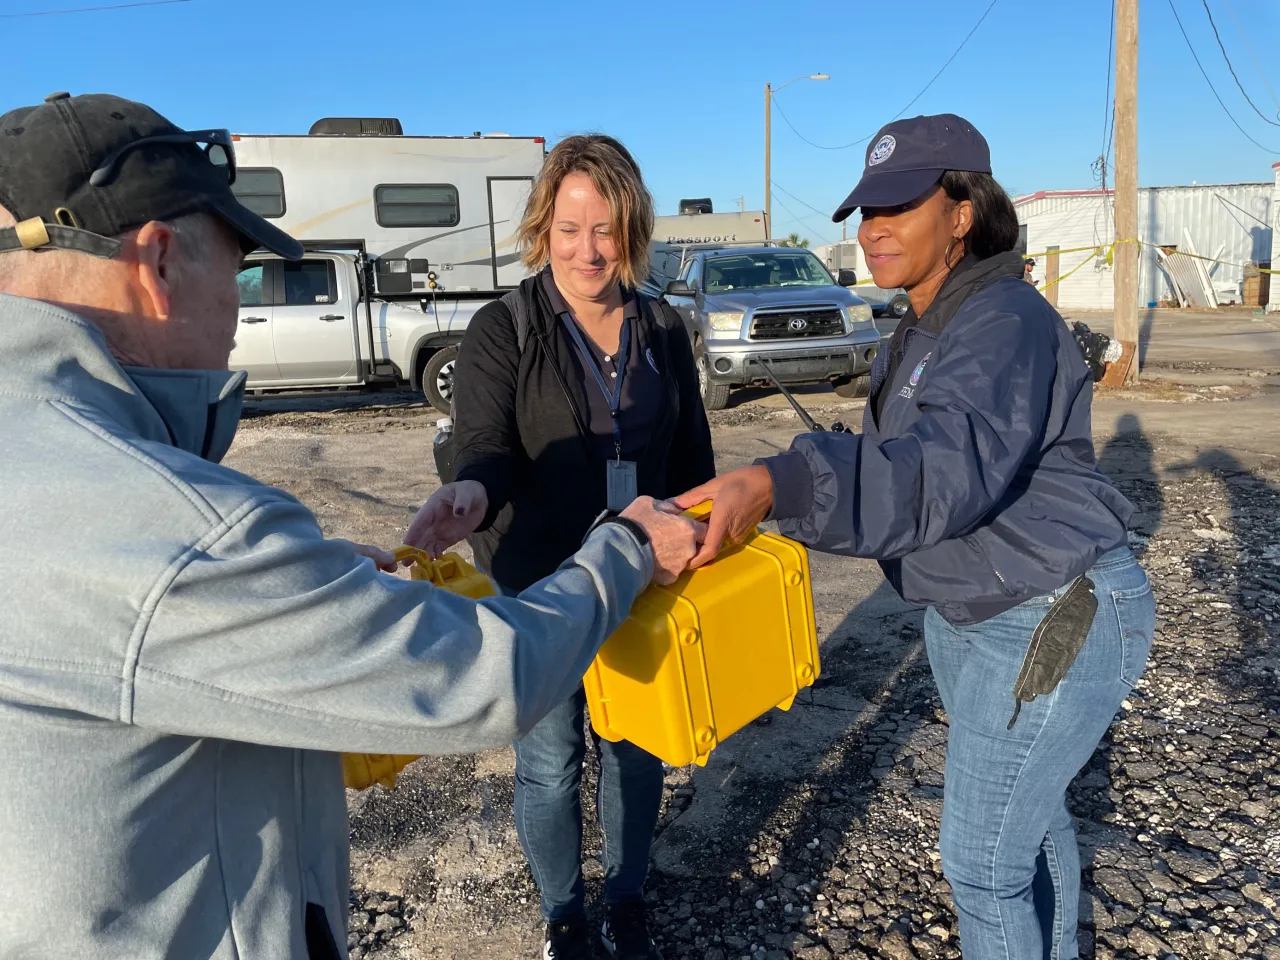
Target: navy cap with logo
(76, 172)
(907, 157)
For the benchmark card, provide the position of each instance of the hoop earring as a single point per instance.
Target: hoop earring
(946, 258)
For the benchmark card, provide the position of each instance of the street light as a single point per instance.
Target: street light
(769, 91)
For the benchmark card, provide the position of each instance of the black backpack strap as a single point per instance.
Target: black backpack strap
(519, 310)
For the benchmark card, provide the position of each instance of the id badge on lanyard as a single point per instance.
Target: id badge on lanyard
(620, 483)
(619, 475)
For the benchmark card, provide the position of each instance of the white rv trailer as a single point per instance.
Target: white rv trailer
(691, 228)
(428, 210)
(674, 236)
(406, 238)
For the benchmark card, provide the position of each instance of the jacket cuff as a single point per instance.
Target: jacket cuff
(487, 477)
(792, 485)
(634, 547)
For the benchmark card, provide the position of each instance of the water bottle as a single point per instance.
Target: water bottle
(442, 449)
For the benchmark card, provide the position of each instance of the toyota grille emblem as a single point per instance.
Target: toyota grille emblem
(797, 324)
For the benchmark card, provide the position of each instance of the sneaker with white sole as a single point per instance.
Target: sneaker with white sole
(625, 934)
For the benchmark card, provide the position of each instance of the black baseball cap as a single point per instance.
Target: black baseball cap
(907, 157)
(77, 171)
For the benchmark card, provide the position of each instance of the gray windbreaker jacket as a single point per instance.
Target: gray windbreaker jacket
(182, 653)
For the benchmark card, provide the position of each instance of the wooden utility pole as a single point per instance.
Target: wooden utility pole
(1126, 174)
(768, 177)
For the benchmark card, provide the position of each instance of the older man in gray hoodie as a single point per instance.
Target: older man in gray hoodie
(183, 654)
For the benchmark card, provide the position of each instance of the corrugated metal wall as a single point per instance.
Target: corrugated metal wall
(1233, 216)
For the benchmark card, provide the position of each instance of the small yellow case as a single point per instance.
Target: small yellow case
(700, 659)
(362, 770)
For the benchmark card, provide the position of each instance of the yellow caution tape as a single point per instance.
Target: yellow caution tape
(1110, 251)
(1107, 252)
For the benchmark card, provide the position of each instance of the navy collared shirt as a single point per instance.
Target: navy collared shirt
(641, 381)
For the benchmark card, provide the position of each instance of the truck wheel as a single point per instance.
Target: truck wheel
(437, 378)
(899, 306)
(852, 388)
(715, 396)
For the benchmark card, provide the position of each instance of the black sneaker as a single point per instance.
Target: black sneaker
(568, 940)
(625, 934)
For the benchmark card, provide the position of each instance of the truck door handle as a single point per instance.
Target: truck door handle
(333, 316)
(254, 320)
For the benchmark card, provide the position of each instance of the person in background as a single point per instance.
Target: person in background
(1028, 269)
(183, 655)
(974, 484)
(597, 403)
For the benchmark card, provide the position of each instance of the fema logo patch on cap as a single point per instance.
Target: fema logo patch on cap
(882, 151)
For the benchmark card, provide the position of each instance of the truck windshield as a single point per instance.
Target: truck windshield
(746, 271)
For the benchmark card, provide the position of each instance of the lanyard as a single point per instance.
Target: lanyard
(613, 397)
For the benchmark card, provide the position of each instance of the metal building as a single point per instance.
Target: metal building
(1273, 304)
(1231, 222)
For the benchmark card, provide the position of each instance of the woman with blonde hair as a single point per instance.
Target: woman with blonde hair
(573, 395)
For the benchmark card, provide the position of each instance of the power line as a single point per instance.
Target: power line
(1253, 56)
(1232, 68)
(1108, 101)
(1210, 83)
(117, 6)
(1101, 164)
(801, 220)
(922, 92)
(777, 186)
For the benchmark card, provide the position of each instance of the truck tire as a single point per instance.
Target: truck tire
(715, 396)
(437, 378)
(899, 306)
(853, 387)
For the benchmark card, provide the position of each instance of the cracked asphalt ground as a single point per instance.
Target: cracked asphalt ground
(813, 833)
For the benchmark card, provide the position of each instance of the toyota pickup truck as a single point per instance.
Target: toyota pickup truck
(315, 323)
(747, 307)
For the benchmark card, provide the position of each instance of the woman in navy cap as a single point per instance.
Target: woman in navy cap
(974, 484)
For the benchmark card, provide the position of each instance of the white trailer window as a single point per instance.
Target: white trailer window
(416, 205)
(261, 189)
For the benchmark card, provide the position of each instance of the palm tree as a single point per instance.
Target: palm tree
(795, 240)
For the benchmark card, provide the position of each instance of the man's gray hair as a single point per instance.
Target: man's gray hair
(197, 234)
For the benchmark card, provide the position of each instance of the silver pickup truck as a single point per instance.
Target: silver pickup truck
(747, 307)
(315, 324)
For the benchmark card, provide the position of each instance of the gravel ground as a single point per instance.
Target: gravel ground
(813, 834)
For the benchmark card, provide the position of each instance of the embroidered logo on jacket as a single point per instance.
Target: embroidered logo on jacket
(909, 391)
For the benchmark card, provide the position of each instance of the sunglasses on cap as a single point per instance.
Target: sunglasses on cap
(216, 145)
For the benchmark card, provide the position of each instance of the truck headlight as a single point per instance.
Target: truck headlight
(859, 313)
(723, 325)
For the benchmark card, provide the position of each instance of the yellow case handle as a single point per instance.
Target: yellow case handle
(439, 571)
(700, 511)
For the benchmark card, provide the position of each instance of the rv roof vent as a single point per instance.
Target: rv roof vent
(357, 127)
(696, 206)
(497, 134)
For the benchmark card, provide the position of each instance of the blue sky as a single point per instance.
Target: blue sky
(682, 83)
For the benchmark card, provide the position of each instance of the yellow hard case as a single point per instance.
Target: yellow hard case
(700, 659)
(452, 573)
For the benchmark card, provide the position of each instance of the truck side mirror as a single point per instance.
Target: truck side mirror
(846, 277)
(679, 288)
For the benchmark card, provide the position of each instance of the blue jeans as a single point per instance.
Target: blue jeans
(549, 810)
(1008, 843)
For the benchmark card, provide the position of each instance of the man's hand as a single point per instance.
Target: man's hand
(674, 538)
(451, 514)
(742, 499)
(384, 560)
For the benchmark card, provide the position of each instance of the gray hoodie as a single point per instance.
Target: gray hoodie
(183, 655)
